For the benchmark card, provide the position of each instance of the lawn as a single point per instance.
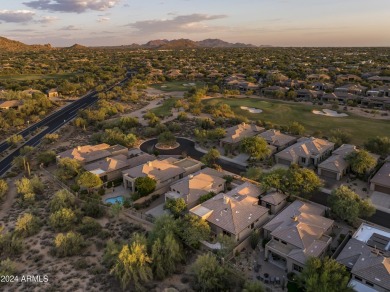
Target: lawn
(165, 109)
(27, 77)
(177, 85)
(281, 113)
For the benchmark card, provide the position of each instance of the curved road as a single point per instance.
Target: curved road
(188, 147)
(52, 123)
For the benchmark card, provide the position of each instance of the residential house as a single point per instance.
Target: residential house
(232, 214)
(273, 91)
(8, 104)
(317, 77)
(351, 88)
(366, 256)
(298, 232)
(340, 98)
(348, 78)
(235, 134)
(90, 153)
(165, 172)
(53, 92)
(277, 139)
(307, 151)
(382, 91)
(110, 168)
(273, 201)
(193, 186)
(376, 102)
(336, 166)
(384, 79)
(292, 83)
(321, 86)
(381, 180)
(308, 95)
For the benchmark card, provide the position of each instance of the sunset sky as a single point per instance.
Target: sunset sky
(259, 22)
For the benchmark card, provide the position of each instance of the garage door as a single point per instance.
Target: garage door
(329, 174)
(382, 189)
(284, 162)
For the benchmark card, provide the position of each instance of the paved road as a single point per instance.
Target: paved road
(52, 123)
(188, 147)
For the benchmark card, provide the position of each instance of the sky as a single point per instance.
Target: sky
(258, 22)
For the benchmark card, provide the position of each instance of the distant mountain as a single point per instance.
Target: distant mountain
(217, 43)
(12, 46)
(155, 44)
(77, 47)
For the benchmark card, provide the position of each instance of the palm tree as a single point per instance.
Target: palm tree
(132, 266)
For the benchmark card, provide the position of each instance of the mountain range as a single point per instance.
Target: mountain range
(11, 45)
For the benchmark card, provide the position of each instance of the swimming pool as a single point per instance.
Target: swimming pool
(114, 200)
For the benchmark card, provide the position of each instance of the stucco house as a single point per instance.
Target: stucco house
(298, 232)
(307, 151)
(381, 180)
(193, 186)
(274, 201)
(366, 256)
(234, 135)
(8, 104)
(90, 153)
(232, 214)
(336, 166)
(277, 139)
(165, 172)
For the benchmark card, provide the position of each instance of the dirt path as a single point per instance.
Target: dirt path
(9, 199)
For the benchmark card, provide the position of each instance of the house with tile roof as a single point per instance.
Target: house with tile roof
(274, 201)
(110, 168)
(8, 104)
(234, 135)
(381, 180)
(366, 256)
(351, 88)
(336, 166)
(277, 139)
(298, 232)
(165, 171)
(307, 151)
(233, 214)
(90, 153)
(193, 186)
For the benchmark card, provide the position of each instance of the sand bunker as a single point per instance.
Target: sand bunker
(252, 110)
(188, 84)
(329, 113)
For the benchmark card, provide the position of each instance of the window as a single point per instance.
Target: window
(303, 159)
(252, 225)
(297, 268)
(359, 279)
(284, 242)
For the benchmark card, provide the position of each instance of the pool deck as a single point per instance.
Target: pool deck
(116, 192)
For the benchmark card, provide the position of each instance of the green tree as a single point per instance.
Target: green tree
(296, 128)
(253, 286)
(302, 181)
(62, 199)
(7, 268)
(15, 140)
(193, 229)
(163, 226)
(68, 244)
(339, 137)
(111, 252)
(274, 179)
(209, 274)
(46, 157)
(254, 173)
(145, 185)
(379, 145)
(206, 197)
(10, 243)
(27, 225)
(361, 161)
(3, 188)
(25, 185)
(89, 180)
(68, 168)
(211, 157)
(324, 275)
(255, 147)
(166, 255)
(176, 206)
(63, 219)
(89, 227)
(167, 138)
(347, 205)
(133, 266)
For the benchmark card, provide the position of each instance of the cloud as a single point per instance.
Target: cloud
(77, 6)
(18, 16)
(180, 23)
(70, 27)
(103, 19)
(47, 19)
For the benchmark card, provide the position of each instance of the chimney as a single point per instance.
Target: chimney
(78, 148)
(225, 200)
(149, 163)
